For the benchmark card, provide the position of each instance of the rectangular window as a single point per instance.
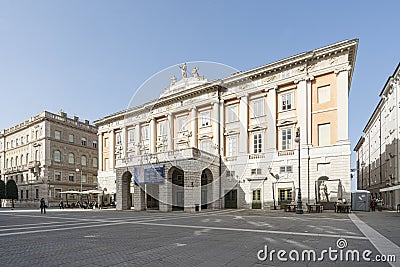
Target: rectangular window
(22, 194)
(162, 128)
(22, 140)
(84, 178)
(286, 136)
(105, 142)
(206, 145)
(257, 143)
(84, 141)
(37, 193)
(324, 94)
(26, 194)
(182, 123)
(205, 118)
(232, 146)
(257, 108)
(71, 177)
(95, 179)
(36, 134)
(57, 193)
(57, 176)
(94, 144)
(255, 171)
(71, 138)
(57, 135)
(324, 134)
(232, 112)
(145, 132)
(118, 138)
(131, 135)
(286, 101)
(287, 169)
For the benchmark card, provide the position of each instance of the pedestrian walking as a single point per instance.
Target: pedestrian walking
(43, 206)
(61, 205)
(373, 204)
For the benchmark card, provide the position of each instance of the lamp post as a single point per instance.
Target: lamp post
(299, 209)
(273, 184)
(80, 170)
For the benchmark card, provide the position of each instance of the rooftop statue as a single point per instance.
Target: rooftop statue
(183, 69)
(195, 72)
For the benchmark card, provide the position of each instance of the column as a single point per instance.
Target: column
(165, 196)
(244, 121)
(271, 120)
(301, 106)
(192, 191)
(216, 124)
(100, 149)
(222, 123)
(139, 197)
(170, 132)
(309, 105)
(124, 142)
(112, 149)
(342, 100)
(153, 136)
(193, 126)
(137, 139)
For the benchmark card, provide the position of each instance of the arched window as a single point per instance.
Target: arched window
(22, 160)
(12, 162)
(83, 161)
(16, 161)
(57, 156)
(27, 158)
(7, 163)
(95, 162)
(37, 155)
(71, 158)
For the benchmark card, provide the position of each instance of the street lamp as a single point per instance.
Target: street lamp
(80, 170)
(273, 184)
(299, 209)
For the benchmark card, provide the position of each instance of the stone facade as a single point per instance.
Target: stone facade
(378, 149)
(43, 153)
(250, 120)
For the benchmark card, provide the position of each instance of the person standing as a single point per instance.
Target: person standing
(61, 205)
(373, 204)
(42, 206)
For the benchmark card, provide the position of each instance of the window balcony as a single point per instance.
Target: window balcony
(286, 153)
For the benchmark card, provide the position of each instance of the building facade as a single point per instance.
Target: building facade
(378, 151)
(48, 154)
(230, 143)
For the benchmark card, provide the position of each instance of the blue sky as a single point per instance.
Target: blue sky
(89, 57)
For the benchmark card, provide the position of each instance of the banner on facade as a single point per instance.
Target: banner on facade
(149, 174)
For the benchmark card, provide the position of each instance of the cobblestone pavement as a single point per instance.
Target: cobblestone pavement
(210, 238)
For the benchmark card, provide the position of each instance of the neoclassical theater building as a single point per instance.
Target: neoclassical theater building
(231, 142)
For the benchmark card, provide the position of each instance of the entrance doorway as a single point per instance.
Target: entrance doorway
(231, 199)
(152, 196)
(178, 192)
(256, 203)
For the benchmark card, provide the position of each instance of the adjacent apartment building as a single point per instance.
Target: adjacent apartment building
(48, 154)
(230, 143)
(378, 150)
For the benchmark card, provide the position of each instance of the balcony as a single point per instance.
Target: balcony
(256, 156)
(286, 153)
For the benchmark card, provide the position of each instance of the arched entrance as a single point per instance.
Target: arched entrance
(126, 195)
(178, 192)
(206, 190)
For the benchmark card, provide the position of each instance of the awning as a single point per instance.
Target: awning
(396, 187)
(70, 192)
(92, 192)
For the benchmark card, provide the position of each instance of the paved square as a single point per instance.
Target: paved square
(211, 238)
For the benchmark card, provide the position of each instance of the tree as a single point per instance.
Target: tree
(11, 191)
(2, 190)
